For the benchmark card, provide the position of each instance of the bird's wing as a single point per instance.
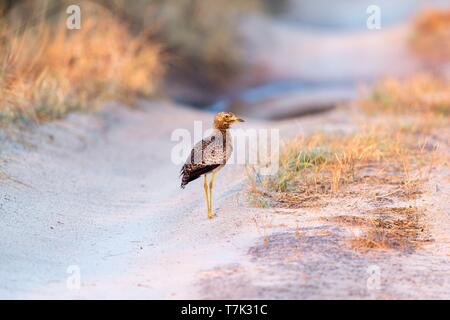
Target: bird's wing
(204, 158)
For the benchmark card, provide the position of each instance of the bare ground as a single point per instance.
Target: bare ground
(100, 192)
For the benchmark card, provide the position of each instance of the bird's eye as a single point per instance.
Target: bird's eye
(227, 116)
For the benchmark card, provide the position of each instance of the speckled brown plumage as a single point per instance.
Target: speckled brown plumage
(211, 153)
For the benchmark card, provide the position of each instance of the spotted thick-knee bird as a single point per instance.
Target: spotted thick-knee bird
(210, 155)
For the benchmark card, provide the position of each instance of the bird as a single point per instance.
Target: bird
(210, 155)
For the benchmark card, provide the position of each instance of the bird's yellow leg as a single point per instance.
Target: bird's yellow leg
(210, 215)
(205, 186)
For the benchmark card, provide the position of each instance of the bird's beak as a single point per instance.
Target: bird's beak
(238, 119)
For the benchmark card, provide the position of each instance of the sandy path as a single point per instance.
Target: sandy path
(99, 192)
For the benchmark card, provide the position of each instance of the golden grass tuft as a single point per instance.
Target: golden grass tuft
(394, 228)
(319, 167)
(398, 228)
(431, 35)
(48, 70)
(421, 93)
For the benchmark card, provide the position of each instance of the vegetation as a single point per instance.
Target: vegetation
(320, 167)
(420, 94)
(202, 37)
(393, 155)
(431, 35)
(47, 70)
(398, 228)
(120, 52)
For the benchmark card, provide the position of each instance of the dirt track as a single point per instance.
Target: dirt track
(100, 193)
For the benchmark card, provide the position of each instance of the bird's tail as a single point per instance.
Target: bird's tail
(183, 179)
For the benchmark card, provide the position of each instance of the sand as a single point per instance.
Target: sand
(96, 198)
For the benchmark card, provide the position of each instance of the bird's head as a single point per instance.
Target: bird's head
(223, 120)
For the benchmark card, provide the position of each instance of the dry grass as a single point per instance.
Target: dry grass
(431, 35)
(422, 94)
(316, 168)
(398, 228)
(47, 70)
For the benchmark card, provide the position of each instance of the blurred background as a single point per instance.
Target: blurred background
(267, 58)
